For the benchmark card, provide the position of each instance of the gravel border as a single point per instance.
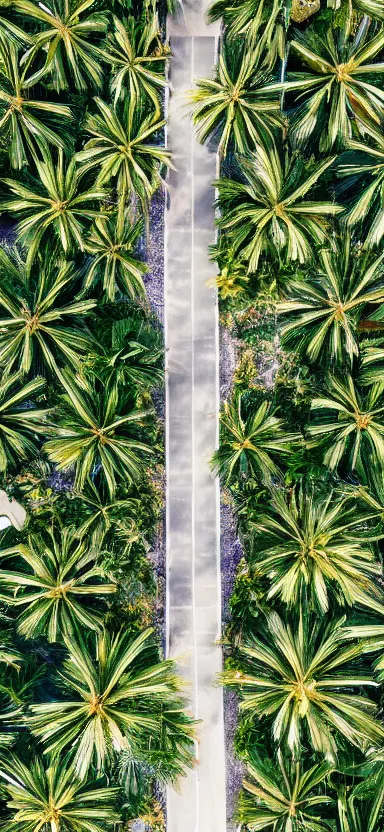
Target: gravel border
(154, 284)
(153, 253)
(231, 553)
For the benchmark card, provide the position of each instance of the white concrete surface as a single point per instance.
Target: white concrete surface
(192, 405)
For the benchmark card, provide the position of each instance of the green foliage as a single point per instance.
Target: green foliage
(347, 424)
(71, 56)
(321, 314)
(121, 152)
(21, 119)
(258, 20)
(139, 58)
(53, 798)
(32, 332)
(90, 366)
(269, 209)
(307, 327)
(111, 245)
(363, 166)
(79, 371)
(20, 424)
(309, 543)
(372, 355)
(371, 7)
(53, 205)
(283, 797)
(102, 517)
(132, 356)
(122, 696)
(232, 107)
(344, 83)
(96, 430)
(249, 443)
(306, 677)
(57, 576)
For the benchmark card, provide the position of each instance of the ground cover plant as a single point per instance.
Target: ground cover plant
(92, 718)
(296, 108)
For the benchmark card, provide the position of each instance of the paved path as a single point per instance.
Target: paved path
(193, 551)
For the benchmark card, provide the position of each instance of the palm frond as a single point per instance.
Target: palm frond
(270, 210)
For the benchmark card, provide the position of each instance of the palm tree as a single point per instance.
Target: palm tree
(8, 27)
(53, 205)
(322, 313)
(348, 425)
(373, 497)
(372, 358)
(368, 205)
(112, 246)
(371, 639)
(300, 676)
(60, 576)
(138, 59)
(259, 21)
(21, 123)
(19, 685)
(93, 433)
(103, 516)
(33, 308)
(231, 106)
(281, 796)
(133, 358)
(20, 421)
(121, 700)
(375, 9)
(359, 815)
(307, 544)
(53, 799)
(340, 87)
(121, 153)
(361, 807)
(248, 442)
(268, 211)
(66, 43)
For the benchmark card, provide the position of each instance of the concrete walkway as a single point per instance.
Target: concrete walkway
(192, 389)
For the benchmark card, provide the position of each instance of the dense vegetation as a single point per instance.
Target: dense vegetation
(296, 108)
(91, 715)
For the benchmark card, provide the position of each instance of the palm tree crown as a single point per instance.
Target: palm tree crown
(66, 39)
(268, 210)
(95, 433)
(231, 107)
(60, 574)
(33, 307)
(121, 700)
(23, 119)
(348, 425)
(282, 796)
(52, 799)
(308, 543)
(138, 57)
(111, 244)
(321, 314)
(249, 443)
(122, 154)
(53, 203)
(300, 675)
(340, 86)
(255, 21)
